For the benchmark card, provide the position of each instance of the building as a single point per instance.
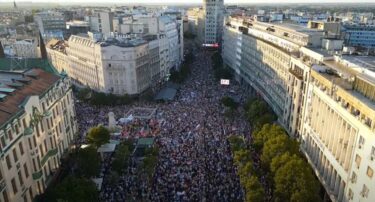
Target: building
(23, 48)
(50, 22)
(261, 55)
(322, 98)
(213, 11)
(105, 22)
(120, 66)
(359, 35)
(338, 126)
(77, 27)
(37, 126)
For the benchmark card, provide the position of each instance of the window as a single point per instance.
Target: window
(358, 160)
(5, 196)
(372, 153)
(26, 170)
(10, 136)
(21, 148)
(41, 149)
(15, 155)
(364, 192)
(350, 194)
(20, 177)
(30, 146)
(9, 164)
(31, 193)
(370, 172)
(361, 142)
(14, 186)
(354, 177)
(3, 141)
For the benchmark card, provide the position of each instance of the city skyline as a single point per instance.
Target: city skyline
(191, 2)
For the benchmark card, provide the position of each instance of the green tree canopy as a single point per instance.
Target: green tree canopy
(121, 158)
(236, 143)
(278, 161)
(277, 146)
(98, 136)
(294, 181)
(254, 190)
(88, 162)
(75, 189)
(267, 132)
(241, 157)
(229, 102)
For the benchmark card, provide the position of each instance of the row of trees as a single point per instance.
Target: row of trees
(289, 174)
(258, 113)
(220, 71)
(249, 178)
(99, 98)
(81, 165)
(149, 162)
(286, 172)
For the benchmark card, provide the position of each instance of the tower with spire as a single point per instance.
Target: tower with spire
(14, 4)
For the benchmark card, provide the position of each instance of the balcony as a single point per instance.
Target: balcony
(28, 131)
(37, 175)
(50, 153)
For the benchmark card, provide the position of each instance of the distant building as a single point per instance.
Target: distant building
(358, 35)
(49, 22)
(213, 12)
(77, 27)
(119, 66)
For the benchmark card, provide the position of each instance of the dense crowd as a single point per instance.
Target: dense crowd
(195, 162)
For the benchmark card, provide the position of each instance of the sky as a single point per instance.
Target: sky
(193, 1)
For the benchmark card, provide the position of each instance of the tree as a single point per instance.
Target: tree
(267, 118)
(256, 109)
(267, 132)
(84, 93)
(245, 171)
(75, 189)
(254, 190)
(98, 136)
(281, 160)
(241, 157)
(236, 143)
(229, 102)
(88, 162)
(295, 182)
(277, 146)
(113, 178)
(121, 158)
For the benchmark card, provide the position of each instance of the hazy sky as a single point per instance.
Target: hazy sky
(195, 1)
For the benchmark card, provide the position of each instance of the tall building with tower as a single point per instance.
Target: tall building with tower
(213, 16)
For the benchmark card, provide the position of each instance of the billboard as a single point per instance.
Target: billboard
(224, 82)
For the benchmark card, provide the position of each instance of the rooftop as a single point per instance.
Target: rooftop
(37, 83)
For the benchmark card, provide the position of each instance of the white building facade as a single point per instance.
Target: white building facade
(36, 131)
(326, 102)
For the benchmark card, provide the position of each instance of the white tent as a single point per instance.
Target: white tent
(110, 147)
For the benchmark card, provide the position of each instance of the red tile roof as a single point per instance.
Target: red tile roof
(37, 86)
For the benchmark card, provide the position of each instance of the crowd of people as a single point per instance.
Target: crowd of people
(195, 162)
